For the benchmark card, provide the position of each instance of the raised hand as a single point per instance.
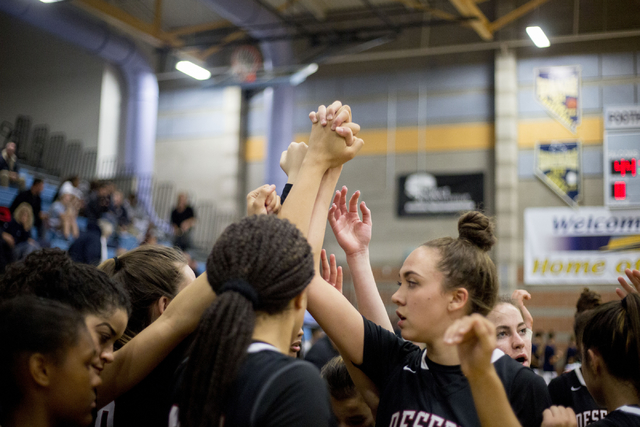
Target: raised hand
(518, 296)
(353, 234)
(634, 278)
(475, 337)
(263, 200)
(331, 273)
(559, 416)
(291, 160)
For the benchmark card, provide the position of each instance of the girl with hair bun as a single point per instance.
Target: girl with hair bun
(46, 377)
(440, 282)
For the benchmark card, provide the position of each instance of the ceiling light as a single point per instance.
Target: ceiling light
(51, 1)
(193, 70)
(301, 75)
(538, 37)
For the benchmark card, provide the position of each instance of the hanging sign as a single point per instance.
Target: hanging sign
(424, 194)
(559, 166)
(558, 90)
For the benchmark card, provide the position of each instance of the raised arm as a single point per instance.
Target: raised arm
(145, 351)
(353, 235)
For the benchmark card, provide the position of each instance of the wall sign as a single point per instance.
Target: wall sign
(424, 194)
(558, 90)
(579, 246)
(622, 157)
(559, 166)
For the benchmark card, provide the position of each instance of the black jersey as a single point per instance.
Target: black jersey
(569, 390)
(418, 392)
(148, 403)
(625, 416)
(273, 389)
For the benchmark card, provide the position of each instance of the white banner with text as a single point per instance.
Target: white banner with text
(591, 245)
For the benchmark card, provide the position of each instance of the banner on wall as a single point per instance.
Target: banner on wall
(558, 90)
(559, 166)
(579, 246)
(424, 194)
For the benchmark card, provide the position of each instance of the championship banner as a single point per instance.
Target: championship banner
(558, 90)
(559, 166)
(579, 246)
(424, 194)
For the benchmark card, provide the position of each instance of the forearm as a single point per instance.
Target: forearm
(370, 304)
(318, 223)
(145, 351)
(301, 199)
(491, 401)
(365, 386)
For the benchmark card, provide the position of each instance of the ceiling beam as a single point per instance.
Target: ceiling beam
(216, 48)
(515, 14)
(120, 19)
(415, 4)
(468, 8)
(157, 18)
(200, 28)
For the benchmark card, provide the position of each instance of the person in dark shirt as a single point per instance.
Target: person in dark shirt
(17, 232)
(239, 370)
(9, 167)
(551, 356)
(321, 352)
(182, 221)
(91, 246)
(32, 197)
(98, 203)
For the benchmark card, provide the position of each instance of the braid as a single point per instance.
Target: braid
(274, 258)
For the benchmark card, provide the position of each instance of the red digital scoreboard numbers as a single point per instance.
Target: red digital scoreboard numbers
(621, 168)
(621, 157)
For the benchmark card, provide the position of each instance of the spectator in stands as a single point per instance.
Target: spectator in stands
(139, 218)
(17, 232)
(32, 197)
(91, 246)
(118, 214)
(9, 168)
(182, 220)
(71, 186)
(63, 216)
(551, 356)
(536, 352)
(98, 202)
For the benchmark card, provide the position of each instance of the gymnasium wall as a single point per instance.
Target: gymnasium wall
(53, 82)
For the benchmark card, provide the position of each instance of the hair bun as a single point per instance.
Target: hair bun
(478, 229)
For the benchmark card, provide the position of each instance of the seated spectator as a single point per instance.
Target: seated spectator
(182, 221)
(98, 202)
(17, 232)
(91, 246)
(138, 216)
(118, 214)
(32, 197)
(63, 216)
(9, 168)
(71, 186)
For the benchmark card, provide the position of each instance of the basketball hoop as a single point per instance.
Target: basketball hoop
(246, 61)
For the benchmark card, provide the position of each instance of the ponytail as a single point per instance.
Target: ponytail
(614, 330)
(257, 265)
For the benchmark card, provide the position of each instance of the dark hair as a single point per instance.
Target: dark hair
(36, 182)
(588, 300)
(338, 380)
(32, 325)
(51, 274)
(466, 264)
(269, 262)
(148, 273)
(613, 329)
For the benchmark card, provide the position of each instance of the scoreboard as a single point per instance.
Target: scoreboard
(622, 157)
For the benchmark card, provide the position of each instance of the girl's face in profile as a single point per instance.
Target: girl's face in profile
(73, 383)
(105, 330)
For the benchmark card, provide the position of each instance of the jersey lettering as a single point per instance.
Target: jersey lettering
(587, 417)
(420, 419)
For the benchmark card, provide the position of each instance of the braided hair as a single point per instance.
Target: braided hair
(257, 265)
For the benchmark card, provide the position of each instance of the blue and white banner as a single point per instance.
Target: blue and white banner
(559, 166)
(558, 90)
(582, 246)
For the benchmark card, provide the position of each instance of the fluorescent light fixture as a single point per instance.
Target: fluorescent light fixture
(538, 37)
(193, 70)
(301, 75)
(51, 1)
